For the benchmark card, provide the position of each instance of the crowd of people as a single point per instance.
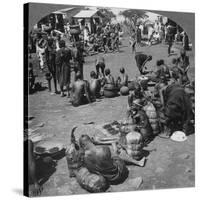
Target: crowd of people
(169, 96)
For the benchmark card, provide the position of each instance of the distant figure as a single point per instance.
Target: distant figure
(100, 64)
(95, 85)
(185, 41)
(78, 58)
(63, 57)
(183, 65)
(80, 91)
(123, 78)
(169, 40)
(141, 59)
(132, 41)
(51, 61)
(138, 35)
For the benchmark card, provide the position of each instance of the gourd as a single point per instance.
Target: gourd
(153, 117)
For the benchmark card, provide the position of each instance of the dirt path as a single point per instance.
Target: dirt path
(170, 164)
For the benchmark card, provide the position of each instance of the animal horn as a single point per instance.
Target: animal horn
(73, 139)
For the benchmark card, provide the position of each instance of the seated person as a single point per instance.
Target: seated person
(80, 91)
(177, 108)
(183, 66)
(162, 73)
(174, 70)
(136, 95)
(108, 77)
(141, 59)
(95, 85)
(123, 78)
(98, 160)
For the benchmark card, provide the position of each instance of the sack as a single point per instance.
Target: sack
(91, 182)
(153, 117)
(135, 145)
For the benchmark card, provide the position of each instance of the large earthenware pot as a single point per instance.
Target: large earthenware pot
(110, 90)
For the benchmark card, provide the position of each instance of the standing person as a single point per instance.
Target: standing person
(162, 73)
(141, 59)
(78, 58)
(169, 40)
(51, 61)
(63, 57)
(183, 65)
(132, 41)
(185, 41)
(138, 35)
(41, 46)
(100, 63)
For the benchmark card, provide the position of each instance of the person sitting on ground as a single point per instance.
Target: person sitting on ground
(98, 160)
(162, 72)
(109, 78)
(95, 85)
(175, 71)
(183, 66)
(100, 63)
(123, 78)
(80, 91)
(141, 59)
(177, 108)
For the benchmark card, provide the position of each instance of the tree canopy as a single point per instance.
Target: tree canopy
(106, 14)
(133, 15)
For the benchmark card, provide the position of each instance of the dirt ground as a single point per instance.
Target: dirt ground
(169, 164)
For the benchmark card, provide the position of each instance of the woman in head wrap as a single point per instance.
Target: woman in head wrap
(63, 57)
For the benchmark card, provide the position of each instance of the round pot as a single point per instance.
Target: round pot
(124, 91)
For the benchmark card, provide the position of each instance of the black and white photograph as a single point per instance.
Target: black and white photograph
(109, 99)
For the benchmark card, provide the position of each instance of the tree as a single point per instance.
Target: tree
(106, 15)
(133, 15)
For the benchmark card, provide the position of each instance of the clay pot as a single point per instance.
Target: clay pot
(124, 91)
(110, 91)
